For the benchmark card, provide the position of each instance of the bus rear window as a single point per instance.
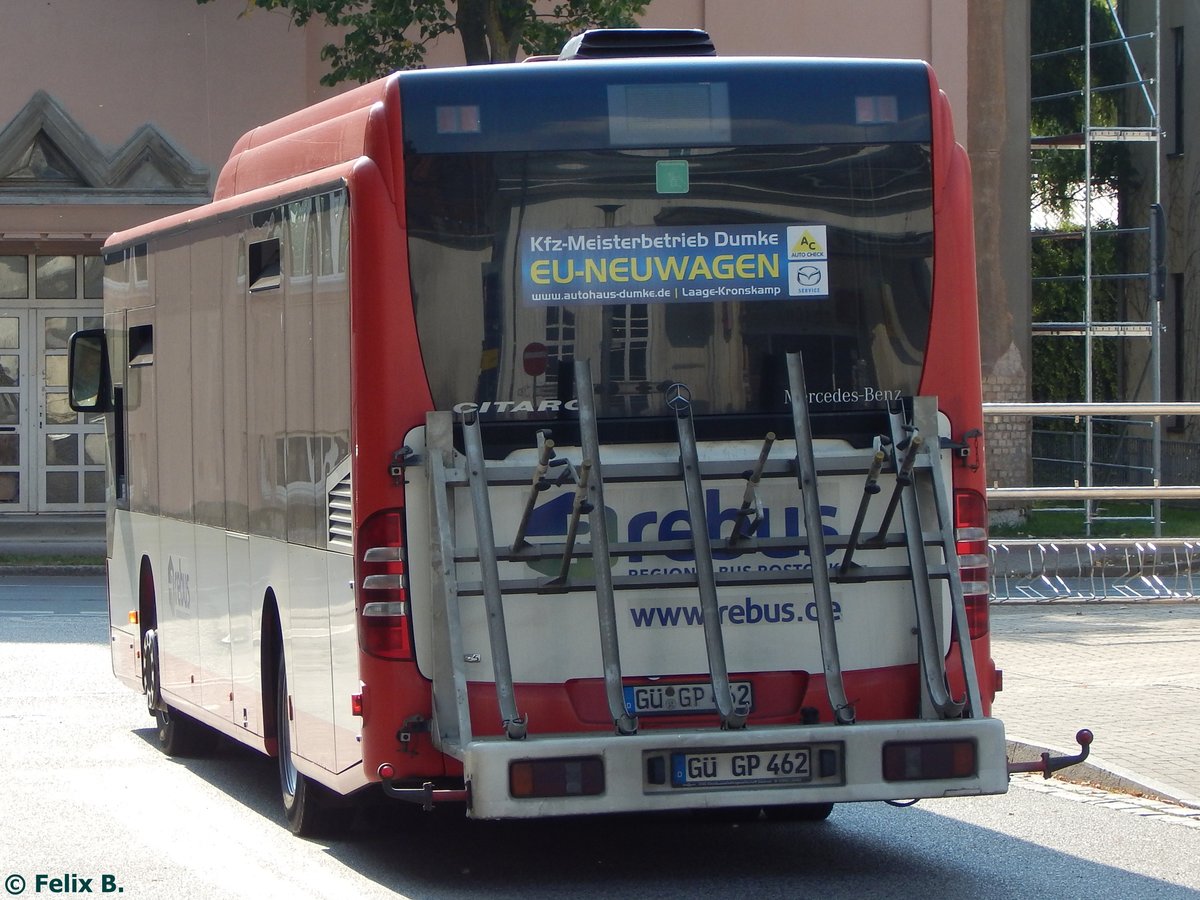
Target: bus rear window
(523, 262)
(672, 114)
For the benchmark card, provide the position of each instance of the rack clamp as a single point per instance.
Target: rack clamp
(401, 460)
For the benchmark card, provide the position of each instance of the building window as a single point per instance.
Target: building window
(14, 277)
(56, 277)
(93, 278)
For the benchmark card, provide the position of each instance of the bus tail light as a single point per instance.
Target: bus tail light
(383, 618)
(929, 760)
(970, 523)
(576, 776)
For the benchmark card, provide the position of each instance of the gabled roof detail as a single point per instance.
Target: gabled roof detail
(44, 151)
(42, 163)
(150, 161)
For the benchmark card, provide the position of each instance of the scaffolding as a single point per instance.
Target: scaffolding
(1115, 324)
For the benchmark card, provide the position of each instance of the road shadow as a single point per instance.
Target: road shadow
(862, 851)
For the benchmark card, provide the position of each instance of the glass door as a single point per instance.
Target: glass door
(14, 411)
(51, 459)
(70, 447)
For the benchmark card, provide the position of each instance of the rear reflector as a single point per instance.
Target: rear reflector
(929, 760)
(383, 624)
(970, 520)
(577, 776)
(386, 608)
(384, 634)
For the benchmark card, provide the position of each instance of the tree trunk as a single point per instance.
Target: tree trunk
(491, 30)
(469, 20)
(505, 25)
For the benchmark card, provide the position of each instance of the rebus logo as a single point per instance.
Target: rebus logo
(179, 586)
(676, 525)
(551, 518)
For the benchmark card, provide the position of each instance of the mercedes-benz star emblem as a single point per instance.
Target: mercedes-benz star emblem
(679, 398)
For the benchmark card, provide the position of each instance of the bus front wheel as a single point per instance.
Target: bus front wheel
(177, 734)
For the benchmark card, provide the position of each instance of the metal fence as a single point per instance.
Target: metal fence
(1038, 571)
(1119, 459)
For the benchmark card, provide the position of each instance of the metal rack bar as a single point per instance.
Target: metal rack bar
(933, 669)
(602, 561)
(925, 415)
(514, 723)
(843, 710)
(451, 710)
(714, 642)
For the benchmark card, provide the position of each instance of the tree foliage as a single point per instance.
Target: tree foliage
(1059, 363)
(1057, 34)
(384, 35)
(1057, 75)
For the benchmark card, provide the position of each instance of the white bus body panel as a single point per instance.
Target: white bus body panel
(627, 789)
(554, 637)
(210, 588)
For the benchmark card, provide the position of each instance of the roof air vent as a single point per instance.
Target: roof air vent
(619, 43)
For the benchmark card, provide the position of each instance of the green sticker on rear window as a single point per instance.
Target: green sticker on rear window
(671, 176)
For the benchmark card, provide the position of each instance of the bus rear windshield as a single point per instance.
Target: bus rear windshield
(700, 266)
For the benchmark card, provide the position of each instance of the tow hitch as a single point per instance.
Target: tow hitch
(1049, 764)
(426, 795)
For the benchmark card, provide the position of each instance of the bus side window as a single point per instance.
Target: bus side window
(265, 268)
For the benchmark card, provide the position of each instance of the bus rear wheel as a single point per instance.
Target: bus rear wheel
(311, 809)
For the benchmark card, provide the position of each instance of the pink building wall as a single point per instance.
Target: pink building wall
(933, 30)
(202, 75)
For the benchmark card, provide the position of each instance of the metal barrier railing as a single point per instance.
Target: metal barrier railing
(1039, 571)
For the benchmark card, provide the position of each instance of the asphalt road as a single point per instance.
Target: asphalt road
(86, 794)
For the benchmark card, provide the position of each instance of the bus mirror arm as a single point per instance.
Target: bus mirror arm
(1049, 764)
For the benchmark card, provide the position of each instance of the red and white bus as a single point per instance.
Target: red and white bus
(571, 437)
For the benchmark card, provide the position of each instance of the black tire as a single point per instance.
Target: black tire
(151, 679)
(178, 734)
(799, 812)
(181, 735)
(311, 809)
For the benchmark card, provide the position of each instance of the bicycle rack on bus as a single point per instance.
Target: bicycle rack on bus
(906, 454)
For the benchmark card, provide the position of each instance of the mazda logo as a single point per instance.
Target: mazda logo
(808, 276)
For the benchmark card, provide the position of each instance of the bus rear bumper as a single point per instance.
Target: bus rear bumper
(679, 770)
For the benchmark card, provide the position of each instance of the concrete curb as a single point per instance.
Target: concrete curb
(1095, 772)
